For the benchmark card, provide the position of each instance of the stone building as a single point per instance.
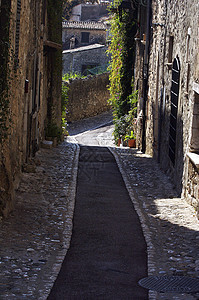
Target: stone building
(78, 34)
(84, 46)
(31, 72)
(167, 77)
(89, 12)
(79, 60)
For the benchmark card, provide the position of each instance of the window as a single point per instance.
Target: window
(174, 108)
(85, 37)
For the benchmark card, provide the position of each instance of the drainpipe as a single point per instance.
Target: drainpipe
(145, 77)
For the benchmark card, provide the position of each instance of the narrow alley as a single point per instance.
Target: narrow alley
(36, 238)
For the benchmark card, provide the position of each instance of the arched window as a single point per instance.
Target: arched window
(174, 108)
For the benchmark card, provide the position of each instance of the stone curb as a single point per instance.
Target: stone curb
(134, 198)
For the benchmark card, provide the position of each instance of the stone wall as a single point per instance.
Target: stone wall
(191, 181)
(95, 36)
(84, 12)
(32, 88)
(87, 97)
(174, 36)
(75, 59)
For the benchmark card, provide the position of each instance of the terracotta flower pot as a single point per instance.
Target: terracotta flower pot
(132, 143)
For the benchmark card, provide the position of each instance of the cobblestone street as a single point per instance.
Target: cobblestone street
(35, 238)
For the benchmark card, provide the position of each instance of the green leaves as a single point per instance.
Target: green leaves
(4, 70)
(123, 99)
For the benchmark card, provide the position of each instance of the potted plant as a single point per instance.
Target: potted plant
(131, 139)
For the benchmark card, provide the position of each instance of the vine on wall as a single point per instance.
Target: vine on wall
(123, 97)
(4, 70)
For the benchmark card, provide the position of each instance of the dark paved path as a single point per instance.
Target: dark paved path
(107, 256)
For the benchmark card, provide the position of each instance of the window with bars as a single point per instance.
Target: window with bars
(17, 33)
(174, 108)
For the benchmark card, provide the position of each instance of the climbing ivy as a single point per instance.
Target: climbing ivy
(64, 102)
(122, 50)
(4, 70)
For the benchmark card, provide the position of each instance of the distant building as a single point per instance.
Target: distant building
(81, 59)
(89, 12)
(78, 34)
(84, 46)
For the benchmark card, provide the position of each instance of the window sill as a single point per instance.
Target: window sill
(194, 158)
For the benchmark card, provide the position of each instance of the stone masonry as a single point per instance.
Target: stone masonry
(79, 59)
(34, 95)
(171, 129)
(95, 30)
(87, 97)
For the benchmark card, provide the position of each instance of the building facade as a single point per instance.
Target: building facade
(32, 75)
(89, 12)
(82, 59)
(78, 34)
(167, 77)
(84, 46)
